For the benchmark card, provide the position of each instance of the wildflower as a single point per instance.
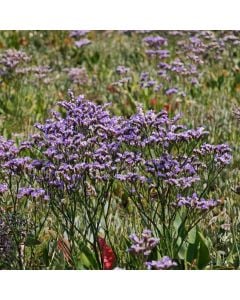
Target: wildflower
(11, 58)
(32, 192)
(83, 42)
(196, 203)
(121, 70)
(155, 41)
(3, 188)
(78, 75)
(144, 244)
(171, 91)
(164, 264)
(78, 33)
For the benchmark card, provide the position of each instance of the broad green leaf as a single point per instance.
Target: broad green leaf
(192, 235)
(192, 252)
(87, 257)
(182, 252)
(203, 253)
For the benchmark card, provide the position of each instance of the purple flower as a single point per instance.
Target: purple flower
(83, 42)
(171, 91)
(222, 153)
(150, 83)
(144, 76)
(164, 264)
(155, 41)
(3, 188)
(196, 203)
(78, 75)
(78, 33)
(11, 58)
(35, 193)
(122, 70)
(144, 244)
(194, 81)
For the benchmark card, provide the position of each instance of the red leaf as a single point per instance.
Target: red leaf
(153, 101)
(107, 254)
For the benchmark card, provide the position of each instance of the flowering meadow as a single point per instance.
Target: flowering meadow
(119, 150)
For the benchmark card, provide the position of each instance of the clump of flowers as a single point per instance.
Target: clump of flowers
(78, 75)
(195, 202)
(78, 33)
(82, 42)
(122, 70)
(144, 244)
(82, 35)
(163, 264)
(11, 58)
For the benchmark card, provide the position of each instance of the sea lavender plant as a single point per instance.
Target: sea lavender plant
(168, 163)
(73, 165)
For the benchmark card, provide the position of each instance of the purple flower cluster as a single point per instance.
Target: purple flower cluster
(83, 42)
(156, 41)
(78, 75)
(194, 201)
(192, 50)
(164, 264)
(3, 188)
(32, 192)
(222, 153)
(8, 152)
(11, 58)
(122, 70)
(86, 145)
(78, 33)
(144, 244)
(171, 91)
(146, 82)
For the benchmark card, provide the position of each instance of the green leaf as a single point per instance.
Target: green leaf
(87, 258)
(31, 241)
(177, 222)
(192, 252)
(182, 252)
(203, 253)
(192, 235)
